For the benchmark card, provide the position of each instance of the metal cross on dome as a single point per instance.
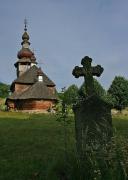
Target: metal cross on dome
(88, 71)
(25, 23)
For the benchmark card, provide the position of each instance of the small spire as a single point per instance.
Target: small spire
(25, 24)
(25, 36)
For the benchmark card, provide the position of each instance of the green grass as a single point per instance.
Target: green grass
(30, 144)
(120, 124)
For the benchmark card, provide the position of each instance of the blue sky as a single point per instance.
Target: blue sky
(62, 32)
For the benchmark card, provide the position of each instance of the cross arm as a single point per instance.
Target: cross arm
(78, 71)
(97, 70)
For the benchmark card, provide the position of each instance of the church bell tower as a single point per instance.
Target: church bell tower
(26, 57)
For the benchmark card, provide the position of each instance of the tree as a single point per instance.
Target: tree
(119, 92)
(4, 90)
(71, 95)
(99, 90)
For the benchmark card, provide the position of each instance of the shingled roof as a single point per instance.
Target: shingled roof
(30, 77)
(24, 60)
(37, 91)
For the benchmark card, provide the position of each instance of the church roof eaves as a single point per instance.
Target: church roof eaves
(37, 91)
(30, 77)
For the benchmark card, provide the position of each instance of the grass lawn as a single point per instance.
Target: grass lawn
(30, 144)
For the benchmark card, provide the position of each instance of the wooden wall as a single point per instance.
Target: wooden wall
(21, 87)
(30, 105)
(34, 104)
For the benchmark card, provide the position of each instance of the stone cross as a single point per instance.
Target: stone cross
(88, 72)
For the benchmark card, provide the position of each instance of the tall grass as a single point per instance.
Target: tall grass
(108, 162)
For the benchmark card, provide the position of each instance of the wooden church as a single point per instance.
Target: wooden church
(32, 90)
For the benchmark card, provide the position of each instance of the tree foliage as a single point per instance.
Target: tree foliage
(119, 92)
(4, 90)
(71, 95)
(99, 90)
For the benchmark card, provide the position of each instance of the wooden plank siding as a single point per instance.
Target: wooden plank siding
(34, 104)
(31, 104)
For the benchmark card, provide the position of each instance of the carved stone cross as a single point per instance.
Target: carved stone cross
(88, 72)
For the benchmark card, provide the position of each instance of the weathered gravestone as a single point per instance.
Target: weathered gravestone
(93, 120)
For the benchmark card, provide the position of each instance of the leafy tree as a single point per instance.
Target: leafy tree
(71, 95)
(119, 92)
(99, 90)
(66, 99)
(4, 90)
(60, 95)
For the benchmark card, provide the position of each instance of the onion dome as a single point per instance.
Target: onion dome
(25, 38)
(25, 53)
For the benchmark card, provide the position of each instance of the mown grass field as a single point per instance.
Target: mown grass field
(30, 144)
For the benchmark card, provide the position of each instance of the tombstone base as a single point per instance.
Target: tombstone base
(93, 122)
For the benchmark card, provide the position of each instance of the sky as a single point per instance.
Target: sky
(61, 33)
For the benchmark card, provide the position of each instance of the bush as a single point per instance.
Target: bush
(2, 104)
